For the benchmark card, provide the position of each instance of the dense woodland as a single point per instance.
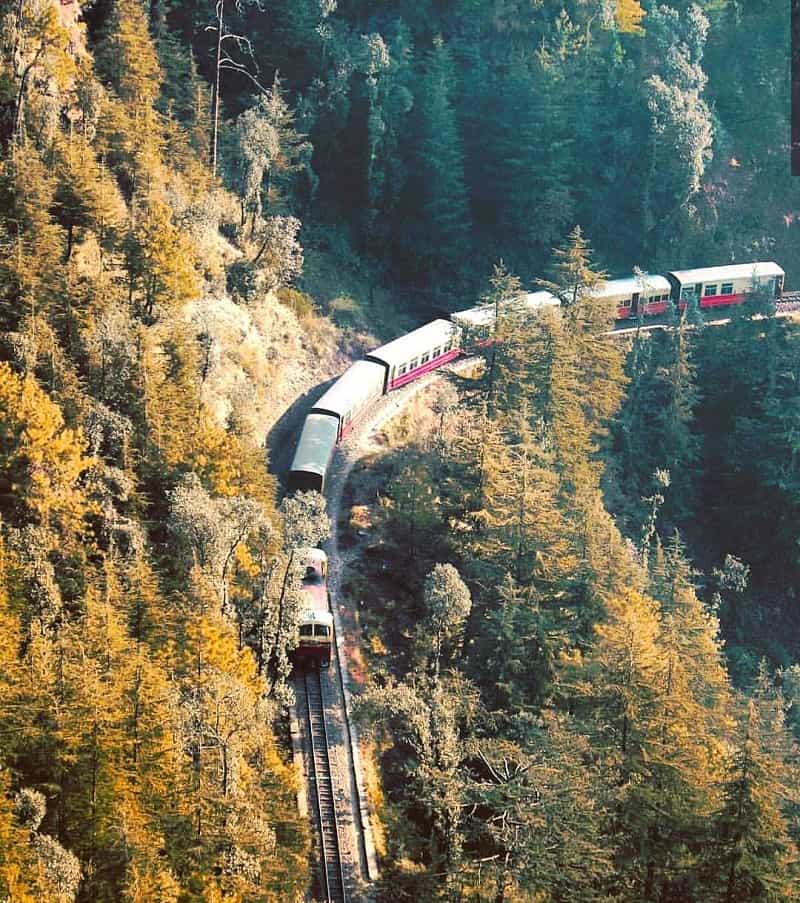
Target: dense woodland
(556, 712)
(563, 722)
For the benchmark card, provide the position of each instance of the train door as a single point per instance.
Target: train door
(635, 304)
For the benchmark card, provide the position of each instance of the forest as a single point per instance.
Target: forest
(585, 666)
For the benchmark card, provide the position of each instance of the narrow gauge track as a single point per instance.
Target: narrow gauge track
(331, 870)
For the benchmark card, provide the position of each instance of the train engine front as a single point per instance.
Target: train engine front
(315, 633)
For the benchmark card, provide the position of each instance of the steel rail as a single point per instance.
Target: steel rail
(332, 871)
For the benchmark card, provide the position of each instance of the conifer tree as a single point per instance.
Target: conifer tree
(41, 459)
(751, 856)
(535, 804)
(628, 16)
(445, 226)
(129, 57)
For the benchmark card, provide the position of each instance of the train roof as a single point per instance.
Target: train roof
(474, 316)
(628, 286)
(316, 444)
(359, 383)
(759, 269)
(316, 616)
(540, 299)
(483, 314)
(401, 350)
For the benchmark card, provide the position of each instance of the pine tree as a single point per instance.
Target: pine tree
(628, 16)
(161, 263)
(445, 226)
(129, 58)
(751, 856)
(41, 459)
(535, 804)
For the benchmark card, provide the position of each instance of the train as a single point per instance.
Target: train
(315, 627)
(407, 358)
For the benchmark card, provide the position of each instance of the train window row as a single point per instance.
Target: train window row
(653, 299)
(402, 369)
(709, 291)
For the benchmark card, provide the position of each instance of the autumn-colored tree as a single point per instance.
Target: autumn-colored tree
(35, 49)
(160, 261)
(628, 16)
(33, 266)
(751, 855)
(41, 459)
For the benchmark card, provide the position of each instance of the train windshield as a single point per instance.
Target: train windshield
(306, 629)
(322, 630)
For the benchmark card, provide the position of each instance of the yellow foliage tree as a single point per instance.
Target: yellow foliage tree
(41, 460)
(16, 860)
(31, 267)
(628, 16)
(161, 262)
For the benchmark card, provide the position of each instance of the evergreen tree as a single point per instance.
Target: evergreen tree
(751, 856)
(444, 230)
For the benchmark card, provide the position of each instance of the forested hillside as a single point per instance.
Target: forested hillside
(140, 545)
(444, 134)
(550, 702)
(177, 180)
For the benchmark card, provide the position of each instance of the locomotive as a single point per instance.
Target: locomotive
(410, 356)
(315, 630)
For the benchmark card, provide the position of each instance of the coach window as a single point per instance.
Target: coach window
(413, 364)
(402, 370)
(727, 288)
(424, 359)
(710, 290)
(687, 292)
(437, 352)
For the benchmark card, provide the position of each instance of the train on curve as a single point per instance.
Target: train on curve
(410, 356)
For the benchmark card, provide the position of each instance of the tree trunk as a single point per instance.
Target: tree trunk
(215, 91)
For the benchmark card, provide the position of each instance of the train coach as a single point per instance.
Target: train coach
(386, 368)
(635, 297)
(723, 286)
(710, 286)
(315, 630)
(479, 321)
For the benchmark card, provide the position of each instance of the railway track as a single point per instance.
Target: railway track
(332, 883)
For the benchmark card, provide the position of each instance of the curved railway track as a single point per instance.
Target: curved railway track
(332, 883)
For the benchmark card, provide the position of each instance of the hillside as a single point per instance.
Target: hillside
(206, 211)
